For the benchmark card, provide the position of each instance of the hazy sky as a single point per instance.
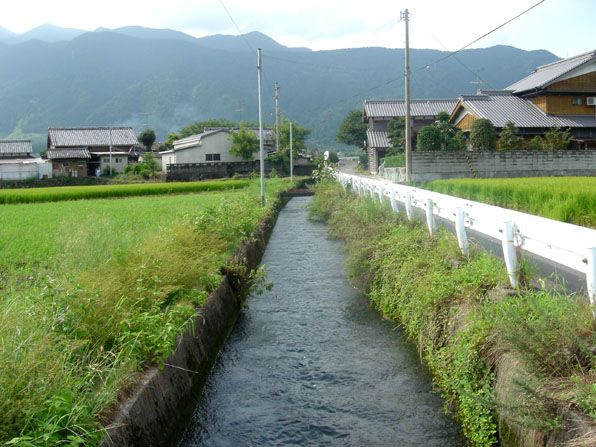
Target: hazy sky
(564, 27)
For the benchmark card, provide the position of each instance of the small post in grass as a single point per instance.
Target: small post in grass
(509, 253)
(460, 230)
(394, 201)
(591, 277)
(430, 218)
(409, 211)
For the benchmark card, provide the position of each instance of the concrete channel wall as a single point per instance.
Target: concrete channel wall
(160, 405)
(428, 166)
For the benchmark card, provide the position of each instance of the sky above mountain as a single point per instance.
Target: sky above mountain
(561, 26)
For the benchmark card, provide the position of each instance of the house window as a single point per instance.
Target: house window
(213, 157)
(65, 164)
(81, 164)
(105, 160)
(117, 160)
(577, 101)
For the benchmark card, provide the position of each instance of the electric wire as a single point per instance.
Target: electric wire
(236, 25)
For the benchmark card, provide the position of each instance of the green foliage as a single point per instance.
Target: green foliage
(395, 161)
(483, 136)
(363, 160)
(568, 199)
(199, 126)
(508, 139)
(147, 169)
(110, 286)
(147, 137)
(535, 144)
(352, 131)
(299, 136)
(556, 139)
(452, 138)
(443, 116)
(397, 135)
(169, 143)
(244, 142)
(107, 191)
(429, 139)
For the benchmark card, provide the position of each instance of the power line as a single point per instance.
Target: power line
(236, 25)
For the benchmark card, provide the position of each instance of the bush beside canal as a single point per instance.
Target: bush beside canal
(516, 367)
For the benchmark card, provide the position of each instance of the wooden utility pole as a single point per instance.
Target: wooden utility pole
(261, 148)
(276, 97)
(406, 17)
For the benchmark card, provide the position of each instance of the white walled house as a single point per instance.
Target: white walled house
(211, 146)
(18, 163)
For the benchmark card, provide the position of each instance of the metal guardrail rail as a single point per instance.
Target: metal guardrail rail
(570, 245)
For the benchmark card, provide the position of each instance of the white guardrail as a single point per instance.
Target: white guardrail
(569, 245)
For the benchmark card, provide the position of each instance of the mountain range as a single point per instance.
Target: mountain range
(166, 79)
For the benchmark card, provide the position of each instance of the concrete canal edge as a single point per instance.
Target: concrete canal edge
(160, 405)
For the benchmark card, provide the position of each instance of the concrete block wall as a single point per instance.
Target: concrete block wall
(441, 165)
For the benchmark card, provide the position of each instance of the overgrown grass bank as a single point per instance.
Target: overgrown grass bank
(94, 291)
(527, 358)
(56, 194)
(567, 199)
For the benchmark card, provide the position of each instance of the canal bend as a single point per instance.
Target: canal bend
(311, 363)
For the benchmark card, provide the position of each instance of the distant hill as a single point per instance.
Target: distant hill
(46, 33)
(150, 33)
(108, 78)
(5, 33)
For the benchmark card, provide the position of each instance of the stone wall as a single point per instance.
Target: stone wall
(198, 171)
(427, 166)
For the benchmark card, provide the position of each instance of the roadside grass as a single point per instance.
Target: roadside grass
(450, 307)
(567, 199)
(94, 291)
(56, 194)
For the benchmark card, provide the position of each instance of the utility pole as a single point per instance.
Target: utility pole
(291, 157)
(406, 17)
(261, 148)
(276, 97)
(111, 172)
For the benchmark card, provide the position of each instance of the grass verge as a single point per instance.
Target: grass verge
(450, 307)
(56, 194)
(74, 333)
(567, 199)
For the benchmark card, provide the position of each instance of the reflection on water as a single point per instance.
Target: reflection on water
(310, 363)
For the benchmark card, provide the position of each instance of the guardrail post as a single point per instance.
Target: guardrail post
(409, 212)
(460, 230)
(430, 218)
(509, 253)
(381, 193)
(394, 201)
(591, 277)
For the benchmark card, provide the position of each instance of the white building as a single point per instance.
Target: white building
(211, 146)
(17, 163)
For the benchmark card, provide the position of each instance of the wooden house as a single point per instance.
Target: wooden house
(561, 94)
(377, 115)
(82, 151)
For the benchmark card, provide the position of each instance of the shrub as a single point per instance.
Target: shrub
(483, 136)
(429, 139)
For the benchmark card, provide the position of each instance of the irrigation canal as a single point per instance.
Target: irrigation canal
(310, 363)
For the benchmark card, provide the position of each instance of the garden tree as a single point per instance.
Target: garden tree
(452, 138)
(429, 139)
(352, 130)
(483, 135)
(169, 143)
(147, 137)
(535, 144)
(244, 142)
(443, 116)
(508, 139)
(397, 135)
(199, 126)
(299, 135)
(556, 139)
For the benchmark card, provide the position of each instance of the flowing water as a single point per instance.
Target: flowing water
(310, 363)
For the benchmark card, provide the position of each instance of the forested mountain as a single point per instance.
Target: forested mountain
(167, 79)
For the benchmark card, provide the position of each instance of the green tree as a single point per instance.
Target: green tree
(443, 116)
(556, 139)
(452, 138)
(244, 142)
(509, 140)
(397, 135)
(147, 137)
(169, 143)
(483, 135)
(429, 139)
(199, 126)
(535, 144)
(352, 130)
(299, 136)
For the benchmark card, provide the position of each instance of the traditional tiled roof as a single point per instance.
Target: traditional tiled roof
(91, 136)
(418, 107)
(377, 138)
(547, 74)
(502, 106)
(15, 147)
(70, 153)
